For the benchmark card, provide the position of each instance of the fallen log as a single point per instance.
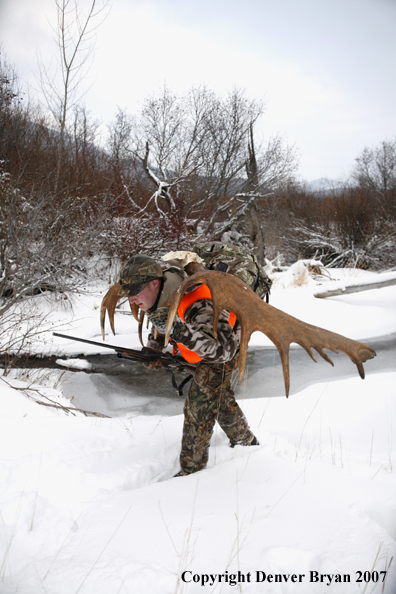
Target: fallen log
(355, 288)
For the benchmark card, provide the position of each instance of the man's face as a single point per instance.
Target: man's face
(146, 298)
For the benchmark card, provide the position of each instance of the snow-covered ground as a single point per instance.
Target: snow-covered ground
(89, 505)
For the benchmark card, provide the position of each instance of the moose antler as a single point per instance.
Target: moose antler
(109, 303)
(230, 293)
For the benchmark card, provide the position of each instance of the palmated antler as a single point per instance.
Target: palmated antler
(230, 293)
(109, 303)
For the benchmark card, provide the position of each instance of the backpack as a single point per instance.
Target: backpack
(235, 260)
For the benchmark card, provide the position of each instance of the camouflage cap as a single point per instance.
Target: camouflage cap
(136, 273)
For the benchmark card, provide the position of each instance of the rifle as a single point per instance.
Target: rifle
(168, 361)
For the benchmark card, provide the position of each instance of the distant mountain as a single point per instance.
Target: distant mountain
(324, 185)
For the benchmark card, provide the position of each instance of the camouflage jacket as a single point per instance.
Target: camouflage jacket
(196, 333)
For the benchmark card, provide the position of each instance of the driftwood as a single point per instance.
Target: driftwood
(355, 288)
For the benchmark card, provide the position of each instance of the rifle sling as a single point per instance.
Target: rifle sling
(179, 388)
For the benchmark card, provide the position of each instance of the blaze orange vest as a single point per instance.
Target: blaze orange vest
(201, 292)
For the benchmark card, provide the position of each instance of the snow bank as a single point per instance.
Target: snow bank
(89, 505)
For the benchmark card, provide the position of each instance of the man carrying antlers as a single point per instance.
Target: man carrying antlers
(209, 317)
(211, 397)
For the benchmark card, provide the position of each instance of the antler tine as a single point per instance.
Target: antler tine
(135, 311)
(283, 329)
(109, 303)
(230, 293)
(173, 303)
(140, 319)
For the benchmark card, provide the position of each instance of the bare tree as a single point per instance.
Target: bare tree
(168, 140)
(275, 164)
(10, 93)
(119, 139)
(230, 123)
(198, 154)
(74, 36)
(43, 247)
(375, 169)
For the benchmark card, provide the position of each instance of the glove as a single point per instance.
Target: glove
(178, 330)
(153, 365)
(159, 318)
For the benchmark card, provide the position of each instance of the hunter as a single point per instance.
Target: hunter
(211, 397)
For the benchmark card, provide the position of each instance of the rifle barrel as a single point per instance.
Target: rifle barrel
(94, 342)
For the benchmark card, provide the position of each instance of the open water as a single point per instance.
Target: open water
(117, 387)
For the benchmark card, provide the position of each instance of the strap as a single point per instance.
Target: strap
(179, 388)
(154, 307)
(261, 278)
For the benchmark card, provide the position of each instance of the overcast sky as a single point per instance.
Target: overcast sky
(325, 68)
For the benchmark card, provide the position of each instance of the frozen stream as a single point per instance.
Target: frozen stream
(115, 386)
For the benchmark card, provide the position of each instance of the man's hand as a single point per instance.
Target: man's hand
(155, 364)
(159, 318)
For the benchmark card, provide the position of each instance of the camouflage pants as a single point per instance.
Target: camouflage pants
(211, 399)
